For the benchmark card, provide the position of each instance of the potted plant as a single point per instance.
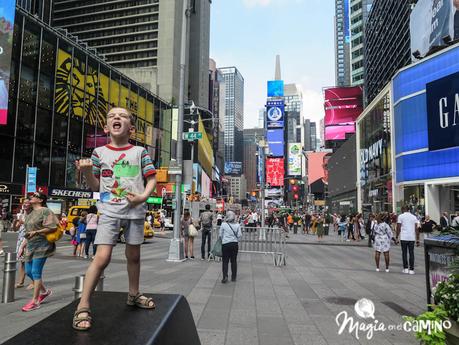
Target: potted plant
(436, 336)
(446, 294)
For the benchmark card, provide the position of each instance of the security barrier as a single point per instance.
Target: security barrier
(260, 240)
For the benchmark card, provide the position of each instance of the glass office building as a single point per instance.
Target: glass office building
(59, 95)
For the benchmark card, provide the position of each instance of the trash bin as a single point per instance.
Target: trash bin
(439, 253)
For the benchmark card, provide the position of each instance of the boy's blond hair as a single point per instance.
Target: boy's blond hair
(131, 117)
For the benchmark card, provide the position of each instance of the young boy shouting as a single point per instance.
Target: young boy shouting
(117, 171)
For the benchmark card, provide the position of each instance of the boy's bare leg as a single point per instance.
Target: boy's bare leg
(133, 267)
(100, 262)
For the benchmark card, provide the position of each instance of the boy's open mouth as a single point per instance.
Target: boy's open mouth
(117, 125)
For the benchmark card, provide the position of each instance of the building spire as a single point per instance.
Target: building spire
(277, 73)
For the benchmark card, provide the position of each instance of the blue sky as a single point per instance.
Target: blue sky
(249, 33)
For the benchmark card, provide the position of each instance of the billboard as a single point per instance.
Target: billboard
(343, 105)
(294, 159)
(316, 168)
(430, 22)
(275, 142)
(442, 100)
(7, 11)
(275, 171)
(275, 88)
(275, 114)
(233, 168)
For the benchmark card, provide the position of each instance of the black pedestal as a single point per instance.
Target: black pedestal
(115, 323)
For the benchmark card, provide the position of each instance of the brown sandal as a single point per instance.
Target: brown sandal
(77, 319)
(141, 301)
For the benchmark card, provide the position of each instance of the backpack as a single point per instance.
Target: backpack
(206, 220)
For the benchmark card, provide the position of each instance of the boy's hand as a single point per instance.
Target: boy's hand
(135, 199)
(84, 165)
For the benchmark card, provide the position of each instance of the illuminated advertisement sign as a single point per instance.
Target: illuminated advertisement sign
(90, 97)
(443, 112)
(342, 107)
(275, 142)
(7, 10)
(275, 88)
(294, 159)
(275, 114)
(233, 168)
(430, 22)
(275, 171)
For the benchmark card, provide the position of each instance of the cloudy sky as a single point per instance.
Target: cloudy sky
(249, 34)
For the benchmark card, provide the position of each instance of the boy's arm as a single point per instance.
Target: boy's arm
(86, 168)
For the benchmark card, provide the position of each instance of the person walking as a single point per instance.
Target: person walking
(230, 233)
(342, 227)
(369, 226)
(350, 229)
(408, 232)
(187, 221)
(444, 221)
(427, 226)
(38, 223)
(320, 227)
(92, 220)
(455, 221)
(206, 219)
(81, 233)
(21, 242)
(382, 236)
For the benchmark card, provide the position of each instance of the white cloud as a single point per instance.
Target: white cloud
(313, 104)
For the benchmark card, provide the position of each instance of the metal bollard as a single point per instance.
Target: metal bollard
(9, 277)
(79, 282)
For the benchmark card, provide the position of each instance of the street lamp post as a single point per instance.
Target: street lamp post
(176, 246)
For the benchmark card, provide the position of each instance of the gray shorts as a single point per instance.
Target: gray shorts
(108, 230)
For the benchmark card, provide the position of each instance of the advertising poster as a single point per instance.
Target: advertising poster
(275, 172)
(338, 132)
(275, 114)
(7, 11)
(275, 139)
(316, 168)
(430, 22)
(233, 168)
(294, 159)
(439, 261)
(275, 88)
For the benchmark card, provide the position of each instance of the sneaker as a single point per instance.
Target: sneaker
(405, 270)
(85, 256)
(192, 258)
(30, 306)
(387, 270)
(2, 253)
(186, 257)
(411, 272)
(233, 279)
(377, 270)
(44, 295)
(202, 259)
(224, 280)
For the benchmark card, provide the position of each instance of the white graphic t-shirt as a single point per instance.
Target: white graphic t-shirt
(121, 170)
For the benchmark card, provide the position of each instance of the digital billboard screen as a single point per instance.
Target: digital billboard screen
(338, 132)
(275, 114)
(275, 171)
(233, 168)
(342, 104)
(430, 22)
(276, 142)
(275, 88)
(7, 11)
(294, 159)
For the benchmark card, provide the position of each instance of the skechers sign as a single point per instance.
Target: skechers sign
(275, 114)
(443, 112)
(70, 193)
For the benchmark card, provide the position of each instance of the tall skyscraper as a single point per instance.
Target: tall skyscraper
(217, 107)
(142, 39)
(251, 137)
(234, 114)
(310, 135)
(387, 44)
(293, 99)
(359, 12)
(342, 43)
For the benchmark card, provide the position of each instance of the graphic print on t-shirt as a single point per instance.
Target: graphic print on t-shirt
(121, 169)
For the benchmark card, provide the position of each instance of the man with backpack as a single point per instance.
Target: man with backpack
(206, 220)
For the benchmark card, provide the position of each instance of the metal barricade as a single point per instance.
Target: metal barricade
(259, 240)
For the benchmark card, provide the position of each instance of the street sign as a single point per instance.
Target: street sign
(155, 200)
(31, 179)
(192, 136)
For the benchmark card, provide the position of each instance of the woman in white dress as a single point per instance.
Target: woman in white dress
(382, 235)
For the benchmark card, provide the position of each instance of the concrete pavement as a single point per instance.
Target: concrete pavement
(295, 304)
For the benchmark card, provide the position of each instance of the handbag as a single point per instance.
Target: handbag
(192, 231)
(56, 235)
(217, 248)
